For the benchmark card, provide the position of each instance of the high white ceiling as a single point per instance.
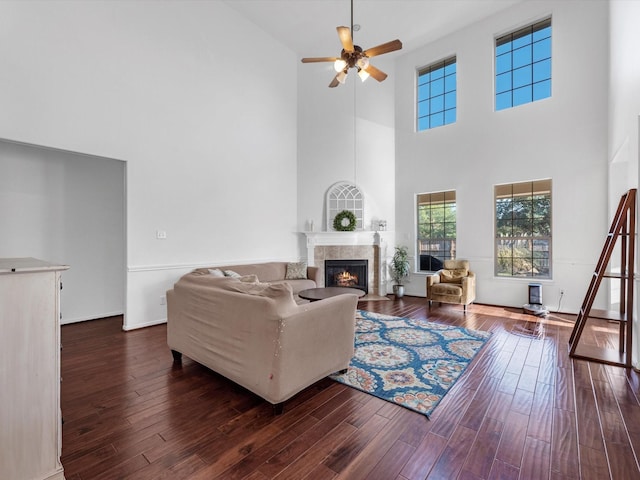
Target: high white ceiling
(308, 27)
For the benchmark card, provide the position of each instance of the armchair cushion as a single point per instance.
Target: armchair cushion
(447, 289)
(453, 275)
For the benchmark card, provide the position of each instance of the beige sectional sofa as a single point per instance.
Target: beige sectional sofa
(255, 334)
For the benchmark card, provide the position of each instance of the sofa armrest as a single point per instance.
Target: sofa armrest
(432, 279)
(313, 273)
(316, 340)
(469, 281)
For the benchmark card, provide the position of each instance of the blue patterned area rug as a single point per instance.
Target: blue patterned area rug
(410, 362)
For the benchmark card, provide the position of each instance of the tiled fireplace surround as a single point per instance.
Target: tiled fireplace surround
(371, 246)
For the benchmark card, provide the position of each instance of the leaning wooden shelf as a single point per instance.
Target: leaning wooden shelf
(623, 228)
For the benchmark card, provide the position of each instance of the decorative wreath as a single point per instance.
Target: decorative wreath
(349, 227)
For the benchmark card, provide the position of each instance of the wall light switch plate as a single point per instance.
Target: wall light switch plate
(161, 235)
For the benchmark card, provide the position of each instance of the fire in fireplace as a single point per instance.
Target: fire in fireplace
(346, 273)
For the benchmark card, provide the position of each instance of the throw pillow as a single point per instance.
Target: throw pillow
(232, 274)
(453, 275)
(253, 278)
(216, 272)
(296, 271)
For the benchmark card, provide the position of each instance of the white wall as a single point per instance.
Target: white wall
(624, 111)
(199, 102)
(563, 138)
(67, 208)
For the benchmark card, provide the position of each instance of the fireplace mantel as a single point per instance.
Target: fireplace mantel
(360, 237)
(377, 240)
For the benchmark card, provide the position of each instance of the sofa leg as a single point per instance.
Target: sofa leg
(177, 356)
(278, 408)
(343, 371)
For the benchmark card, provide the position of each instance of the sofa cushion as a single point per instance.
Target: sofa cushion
(280, 293)
(453, 275)
(296, 270)
(266, 272)
(297, 285)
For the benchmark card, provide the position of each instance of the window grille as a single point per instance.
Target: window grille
(523, 65)
(345, 196)
(437, 94)
(523, 229)
(436, 229)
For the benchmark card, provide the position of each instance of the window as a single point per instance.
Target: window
(437, 94)
(523, 65)
(436, 229)
(523, 229)
(345, 196)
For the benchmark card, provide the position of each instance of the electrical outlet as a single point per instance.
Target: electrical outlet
(561, 291)
(163, 300)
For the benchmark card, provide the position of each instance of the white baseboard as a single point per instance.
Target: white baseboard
(66, 321)
(143, 325)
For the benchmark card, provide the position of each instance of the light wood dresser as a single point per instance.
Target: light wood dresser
(30, 418)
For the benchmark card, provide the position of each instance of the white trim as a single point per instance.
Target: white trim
(68, 321)
(160, 321)
(58, 475)
(154, 268)
(182, 266)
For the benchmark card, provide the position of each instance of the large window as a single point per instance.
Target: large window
(523, 229)
(523, 65)
(436, 229)
(437, 94)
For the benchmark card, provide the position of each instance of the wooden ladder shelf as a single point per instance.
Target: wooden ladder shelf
(623, 228)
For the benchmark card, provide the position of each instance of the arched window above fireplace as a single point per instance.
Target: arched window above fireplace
(345, 196)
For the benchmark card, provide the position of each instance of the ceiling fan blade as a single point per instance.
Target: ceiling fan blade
(391, 46)
(319, 59)
(376, 73)
(345, 37)
(334, 82)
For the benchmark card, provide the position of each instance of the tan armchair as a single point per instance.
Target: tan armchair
(452, 284)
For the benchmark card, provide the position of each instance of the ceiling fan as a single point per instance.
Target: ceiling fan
(352, 56)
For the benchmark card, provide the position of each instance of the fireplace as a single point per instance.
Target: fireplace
(346, 273)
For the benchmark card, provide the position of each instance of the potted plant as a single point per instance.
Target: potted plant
(399, 269)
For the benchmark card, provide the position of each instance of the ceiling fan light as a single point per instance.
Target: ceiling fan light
(363, 74)
(339, 65)
(363, 62)
(342, 77)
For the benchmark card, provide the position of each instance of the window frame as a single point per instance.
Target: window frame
(345, 196)
(443, 64)
(537, 187)
(543, 84)
(431, 199)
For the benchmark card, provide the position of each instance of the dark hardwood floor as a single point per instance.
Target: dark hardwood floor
(523, 410)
